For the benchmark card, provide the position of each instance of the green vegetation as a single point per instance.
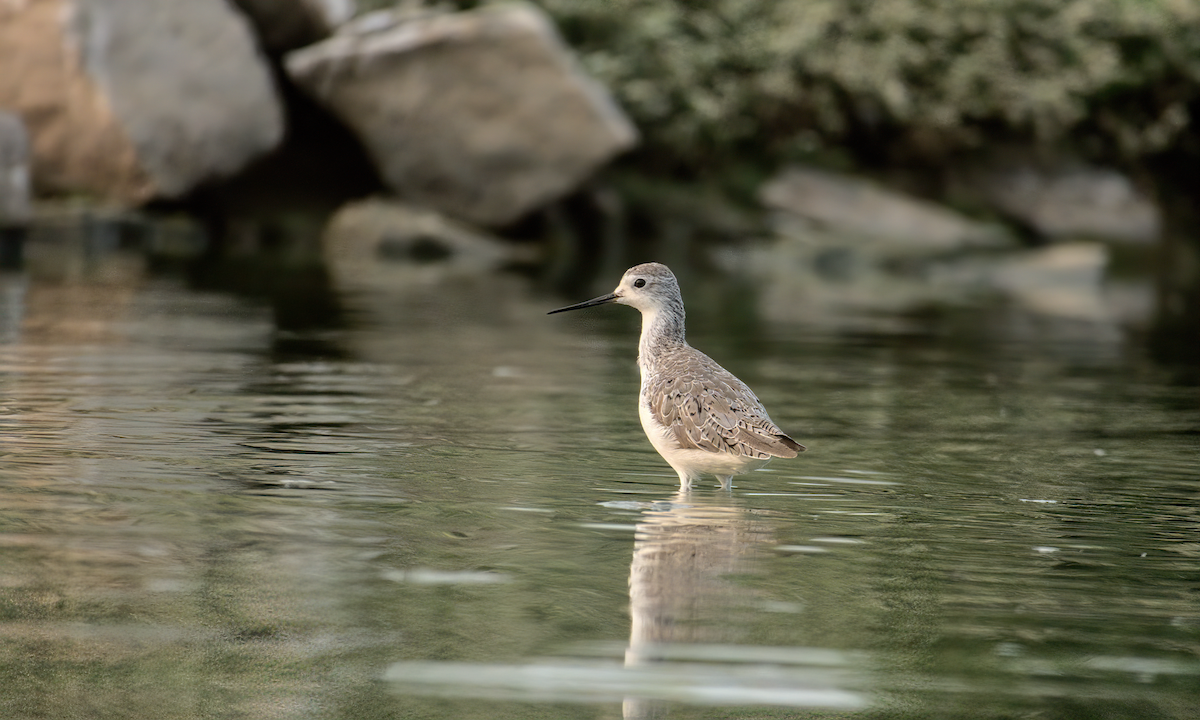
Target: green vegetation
(709, 80)
(795, 77)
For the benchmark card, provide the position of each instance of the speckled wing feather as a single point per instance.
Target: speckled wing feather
(707, 408)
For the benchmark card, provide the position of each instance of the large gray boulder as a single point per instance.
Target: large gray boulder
(14, 171)
(483, 115)
(128, 100)
(284, 25)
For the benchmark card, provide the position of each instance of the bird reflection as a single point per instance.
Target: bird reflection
(680, 589)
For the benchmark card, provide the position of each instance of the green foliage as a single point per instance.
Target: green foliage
(700, 75)
(711, 79)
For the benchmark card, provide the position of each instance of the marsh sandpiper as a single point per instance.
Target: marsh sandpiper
(698, 416)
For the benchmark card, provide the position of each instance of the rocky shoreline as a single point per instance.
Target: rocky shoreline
(468, 124)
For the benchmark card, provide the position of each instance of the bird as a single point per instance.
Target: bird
(700, 418)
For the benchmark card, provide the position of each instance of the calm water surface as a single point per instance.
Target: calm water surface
(444, 507)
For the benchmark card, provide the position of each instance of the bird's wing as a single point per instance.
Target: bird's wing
(707, 408)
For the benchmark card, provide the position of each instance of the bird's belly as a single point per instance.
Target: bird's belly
(691, 461)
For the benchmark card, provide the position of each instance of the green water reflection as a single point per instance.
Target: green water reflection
(445, 507)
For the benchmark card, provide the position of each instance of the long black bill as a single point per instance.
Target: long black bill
(587, 303)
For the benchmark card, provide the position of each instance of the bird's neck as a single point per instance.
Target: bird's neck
(662, 330)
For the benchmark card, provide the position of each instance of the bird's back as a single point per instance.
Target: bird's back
(707, 408)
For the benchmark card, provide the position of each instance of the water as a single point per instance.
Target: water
(442, 506)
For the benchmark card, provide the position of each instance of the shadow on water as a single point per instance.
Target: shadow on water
(325, 499)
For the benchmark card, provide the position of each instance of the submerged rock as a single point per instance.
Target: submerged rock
(1062, 280)
(285, 25)
(14, 171)
(128, 100)
(809, 281)
(483, 115)
(857, 209)
(384, 243)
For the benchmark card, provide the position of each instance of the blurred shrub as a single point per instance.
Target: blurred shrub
(791, 75)
(710, 79)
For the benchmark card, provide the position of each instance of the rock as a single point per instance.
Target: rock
(14, 171)
(483, 115)
(383, 243)
(129, 100)
(1076, 201)
(1064, 280)
(859, 209)
(285, 25)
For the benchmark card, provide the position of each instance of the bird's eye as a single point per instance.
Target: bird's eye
(639, 283)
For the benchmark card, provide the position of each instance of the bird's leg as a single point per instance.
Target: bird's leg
(685, 481)
(726, 481)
